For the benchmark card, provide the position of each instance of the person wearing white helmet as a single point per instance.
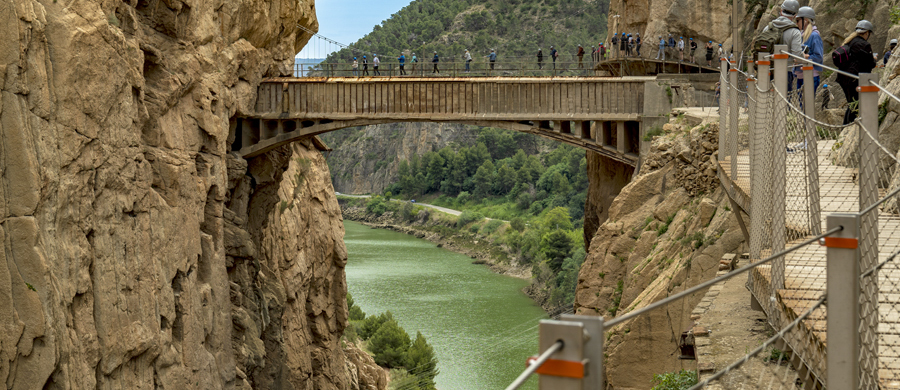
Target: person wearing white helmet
(814, 50)
(860, 60)
(889, 51)
(791, 36)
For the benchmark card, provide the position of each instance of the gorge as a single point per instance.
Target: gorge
(139, 252)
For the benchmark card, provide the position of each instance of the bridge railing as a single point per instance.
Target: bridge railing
(477, 68)
(802, 181)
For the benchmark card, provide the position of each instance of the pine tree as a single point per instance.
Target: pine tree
(421, 362)
(390, 345)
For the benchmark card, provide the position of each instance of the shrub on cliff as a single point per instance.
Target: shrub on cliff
(681, 380)
(468, 217)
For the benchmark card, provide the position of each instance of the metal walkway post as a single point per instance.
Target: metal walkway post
(843, 302)
(759, 156)
(779, 169)
(812, 152)
(868, 227)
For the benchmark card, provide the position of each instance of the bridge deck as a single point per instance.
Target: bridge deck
(805, 272)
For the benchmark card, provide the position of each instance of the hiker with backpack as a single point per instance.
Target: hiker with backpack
(815, 50)
(854, 57)
(782, 31)
(615, 45)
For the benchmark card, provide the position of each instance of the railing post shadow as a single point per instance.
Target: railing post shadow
(812, 152)
(779, 169)
(842, 289)
(759, 158)
(734, 114)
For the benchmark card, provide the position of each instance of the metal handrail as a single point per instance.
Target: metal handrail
(821, 65)
(535, 365)
(883, 89)
(701, 286)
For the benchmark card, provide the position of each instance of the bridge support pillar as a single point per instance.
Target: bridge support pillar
(621, 137)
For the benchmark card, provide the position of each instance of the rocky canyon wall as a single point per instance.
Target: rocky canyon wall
(137, 252)
(711, 20)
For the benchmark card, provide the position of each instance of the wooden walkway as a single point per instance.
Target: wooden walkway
(805, 269)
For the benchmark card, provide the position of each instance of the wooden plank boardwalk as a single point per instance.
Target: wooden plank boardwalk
(805, 270)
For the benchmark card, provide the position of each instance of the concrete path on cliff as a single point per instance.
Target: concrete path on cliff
(438, 208)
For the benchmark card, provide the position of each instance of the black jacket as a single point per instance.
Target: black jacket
(861, 59)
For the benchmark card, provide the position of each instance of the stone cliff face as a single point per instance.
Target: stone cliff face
(666, 231)
(137, 252)
(365, 161)
(711, 20)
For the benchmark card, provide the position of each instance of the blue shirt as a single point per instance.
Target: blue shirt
(816, 51)
(402, 59)
(493, 56)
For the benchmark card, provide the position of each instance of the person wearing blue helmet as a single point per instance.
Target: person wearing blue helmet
(637, 43)
(355, 67)
(709, 53)
(681, 49)
(365, 71)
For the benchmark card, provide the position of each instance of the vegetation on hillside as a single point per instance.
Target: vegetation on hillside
(514, 28)
(412, 362)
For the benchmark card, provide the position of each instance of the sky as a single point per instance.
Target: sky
(346, 21)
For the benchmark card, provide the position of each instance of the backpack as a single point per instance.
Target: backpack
(841, 57)
(770, 36)
(615, 40)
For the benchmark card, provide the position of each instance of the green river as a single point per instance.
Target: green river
(481, 325)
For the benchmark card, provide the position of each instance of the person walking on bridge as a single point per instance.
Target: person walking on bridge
(365, 66)
(709, 53)
(815, 50)
(580, 55)
(414, 61)
(492, 58)
(435, 61)
(402, 61)
(468, 57)
(602, 51)
(681, 48)
(540, 58)
(860, 61)
(637, 42)
(375, 63)
(661, 55)
(623, 44)
(671, 46)
(553, 56)
(615, 45)
(693, 49)
(355, 67)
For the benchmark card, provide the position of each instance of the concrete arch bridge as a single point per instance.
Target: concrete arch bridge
(602, 114)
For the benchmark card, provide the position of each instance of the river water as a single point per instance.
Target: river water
(481, 325)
